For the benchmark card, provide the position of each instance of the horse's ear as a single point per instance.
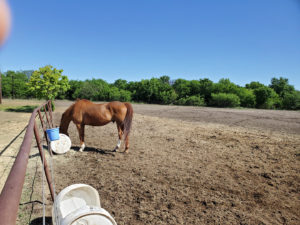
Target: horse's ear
(77, 99)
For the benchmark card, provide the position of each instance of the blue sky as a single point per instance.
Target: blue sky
(244, 41)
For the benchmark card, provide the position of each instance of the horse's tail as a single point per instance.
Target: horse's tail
(128, 119)
(65, 120)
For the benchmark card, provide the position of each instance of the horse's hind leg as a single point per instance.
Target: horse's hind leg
(120, 133)
(127, 144)
(80, 129)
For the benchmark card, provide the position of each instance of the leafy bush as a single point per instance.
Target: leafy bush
(119, 95)
(266, 98)
(182, 88)
(121, 84)
(195, 101)
(291, 100)
(167, 97)
(14, 85)
(87, 90)
(125, 96)
(191, 100)
(72, 93)
(225, 86)
(247, 97)
(225, 100)
(206, 88)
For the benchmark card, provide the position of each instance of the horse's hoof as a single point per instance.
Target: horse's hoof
(126, 151)
(82, 147)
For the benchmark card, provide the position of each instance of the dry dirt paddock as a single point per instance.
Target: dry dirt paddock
(186, 165)
(191, 165)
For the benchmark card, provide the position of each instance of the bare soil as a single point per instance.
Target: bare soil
(186, 165)
(190, 165)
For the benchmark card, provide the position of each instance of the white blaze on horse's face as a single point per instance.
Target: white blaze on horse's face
(82, 147)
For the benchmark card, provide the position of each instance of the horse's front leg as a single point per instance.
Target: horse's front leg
(80, 129)
(120, 133)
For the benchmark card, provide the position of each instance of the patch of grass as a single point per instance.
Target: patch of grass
(25, 108)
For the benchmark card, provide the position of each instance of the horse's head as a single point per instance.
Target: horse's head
(62, 131)
(64, 124)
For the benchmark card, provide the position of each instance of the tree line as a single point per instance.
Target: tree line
(49, 83)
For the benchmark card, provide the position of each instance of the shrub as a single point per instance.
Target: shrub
(291, 100)
(267, 98)
(125, 96)
(194, 100)
(167, 97)
(180, 101)
(225, 100)
(247, 97)
(113, 94)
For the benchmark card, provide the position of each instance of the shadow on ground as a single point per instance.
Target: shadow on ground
(38, 221)
(96, 150)
(26, 109)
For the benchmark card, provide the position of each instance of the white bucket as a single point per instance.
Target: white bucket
(62, 145)
(79, 204)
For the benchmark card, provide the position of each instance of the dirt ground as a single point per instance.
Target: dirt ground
(12, 131)
(188, 165)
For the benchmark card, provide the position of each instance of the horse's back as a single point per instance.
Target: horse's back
(89, 113)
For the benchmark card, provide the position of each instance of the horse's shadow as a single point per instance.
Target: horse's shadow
(96, 150)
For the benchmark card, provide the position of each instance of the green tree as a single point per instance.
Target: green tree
(281, 86)
(87, 90)
(195, 87)
(125, 96)
(95, 90)
(182, 88)
(6, 85)
(72, 93)
(194, 100)
(121, 84)
(266, 98)
(254, 85)
(165, 79)
(291, 100)
(225, 86)
(167, 96)
(153, 91)
(48, 82)
(206, 88)
(247, 97)
(288, 95)
(114, 94)
(14, 84)
(225, 100)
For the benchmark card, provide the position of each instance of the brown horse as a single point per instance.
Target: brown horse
(84, 112)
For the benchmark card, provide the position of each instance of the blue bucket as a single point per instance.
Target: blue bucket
(53, 133)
